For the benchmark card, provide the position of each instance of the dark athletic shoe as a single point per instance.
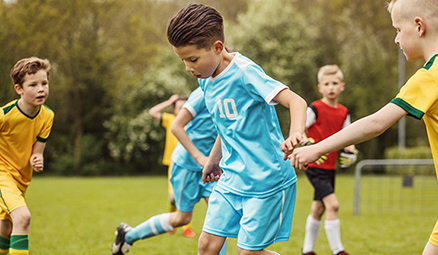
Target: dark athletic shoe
(120, 247)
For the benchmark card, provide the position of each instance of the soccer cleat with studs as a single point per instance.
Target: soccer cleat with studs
(120, 247)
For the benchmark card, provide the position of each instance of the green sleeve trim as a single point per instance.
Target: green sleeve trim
(40, 139)
(412, 111)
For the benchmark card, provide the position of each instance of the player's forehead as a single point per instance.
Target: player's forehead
(39, 76)
(188, 51)
(326, 78)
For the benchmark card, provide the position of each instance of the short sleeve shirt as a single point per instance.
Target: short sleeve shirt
(419, 98)
(240, 101)
(200, 130)
(18, 134)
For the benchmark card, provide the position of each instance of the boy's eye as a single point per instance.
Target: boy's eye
(193, 60)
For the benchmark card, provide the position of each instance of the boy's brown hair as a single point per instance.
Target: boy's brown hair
(28, 66)
(196, 24)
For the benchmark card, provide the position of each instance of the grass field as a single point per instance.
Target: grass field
(72, 216)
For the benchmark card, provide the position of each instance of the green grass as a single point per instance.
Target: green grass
(79, 216)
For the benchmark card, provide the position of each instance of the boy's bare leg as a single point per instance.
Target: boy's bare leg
(21, 219)
(430, 249)
(331, 205)
(209, 244)
(5, 228)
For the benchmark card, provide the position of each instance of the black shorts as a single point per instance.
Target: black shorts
(322, 180)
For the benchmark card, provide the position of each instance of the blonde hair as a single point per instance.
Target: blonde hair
(28, 66)
(425, 8)
(330, 70)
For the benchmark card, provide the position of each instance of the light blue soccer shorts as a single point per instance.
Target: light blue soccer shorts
(255, 222)
(188, 188)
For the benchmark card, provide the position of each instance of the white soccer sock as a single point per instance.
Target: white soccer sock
(156, 225)
(312, 232)
(333, 232)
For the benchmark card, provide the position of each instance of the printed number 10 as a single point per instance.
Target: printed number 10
(226, 105)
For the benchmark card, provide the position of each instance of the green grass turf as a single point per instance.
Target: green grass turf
(79, 216)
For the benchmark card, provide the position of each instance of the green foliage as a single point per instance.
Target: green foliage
(421, 152)
(111, 62)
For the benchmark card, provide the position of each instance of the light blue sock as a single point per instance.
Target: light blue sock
(156, 225)
(224, 248)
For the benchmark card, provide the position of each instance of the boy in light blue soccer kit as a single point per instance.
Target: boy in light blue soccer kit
(255, 195)
(186, 177)
(255, 176)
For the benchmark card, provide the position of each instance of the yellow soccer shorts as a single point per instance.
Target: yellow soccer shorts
(11, 196)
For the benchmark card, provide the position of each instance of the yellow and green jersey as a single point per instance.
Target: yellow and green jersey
(171, 141)
(18, 134)
(419, 98)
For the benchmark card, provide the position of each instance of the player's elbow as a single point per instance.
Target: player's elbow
(175, 129)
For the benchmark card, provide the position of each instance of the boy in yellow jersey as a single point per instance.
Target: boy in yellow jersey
(416, 22)
(25, 126)
(166, 120)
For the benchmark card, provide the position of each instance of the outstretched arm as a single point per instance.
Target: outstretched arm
(36, 159)
(212, 172)
(177, 128)
(297, 108)
(156, 110)
(359, 131)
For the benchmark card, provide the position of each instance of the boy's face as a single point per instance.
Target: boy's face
(331, 86)
(35, 89)
(407, 32)
(201, 63)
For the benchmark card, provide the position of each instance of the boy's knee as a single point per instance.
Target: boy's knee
(21, 219)
(182, 218)
(202, 245)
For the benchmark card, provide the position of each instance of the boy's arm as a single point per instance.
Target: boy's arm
(177, 128)
(359, 131)
(37, 159)
(156, 110)
(212, 172)
(298, 109)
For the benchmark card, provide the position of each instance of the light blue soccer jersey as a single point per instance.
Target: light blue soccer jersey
(200, 130)
(240, 101)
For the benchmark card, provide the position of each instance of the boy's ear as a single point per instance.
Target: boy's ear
(18, 89)
(421, 26)
(218, 47)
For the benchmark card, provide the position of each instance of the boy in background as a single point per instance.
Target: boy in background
(254, 198)
(25, 126)
(194, 129)
(166, 119)
(416, 23)
(325, 117)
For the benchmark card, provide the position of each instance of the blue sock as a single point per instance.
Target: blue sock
(156, 225)
(224, 248)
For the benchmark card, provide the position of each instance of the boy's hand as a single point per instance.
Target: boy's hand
(290, 143)
(311, 141)
(37, 162)
(303, 156)
(211, 173)
(347, 158)
(173, 98)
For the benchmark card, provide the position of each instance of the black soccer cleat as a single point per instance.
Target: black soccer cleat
(120, 247)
